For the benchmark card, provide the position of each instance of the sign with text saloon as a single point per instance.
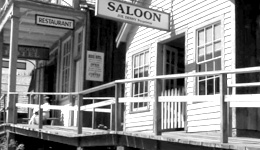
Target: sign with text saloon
(126, 12)
(95, 66)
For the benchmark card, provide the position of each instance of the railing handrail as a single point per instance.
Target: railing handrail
(196, 74)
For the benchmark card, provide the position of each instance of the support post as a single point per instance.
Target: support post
(12, 63)
(1, 56)
(80, 113)
(224, 109)
(117, 107)
(93, 116)
(40, 98)
(157, 107)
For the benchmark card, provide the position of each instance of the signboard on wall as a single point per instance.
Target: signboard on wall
(20, 65)
(54, 22)
(126, 12)
(95, 66)
(28, 52)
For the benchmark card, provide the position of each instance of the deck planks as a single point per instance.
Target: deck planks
(69, 135)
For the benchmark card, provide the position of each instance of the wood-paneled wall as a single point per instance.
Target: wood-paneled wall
(186, 17)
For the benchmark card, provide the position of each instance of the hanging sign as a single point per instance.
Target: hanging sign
(95, 66)
(126, 12)
(28, 52)
(54, 22)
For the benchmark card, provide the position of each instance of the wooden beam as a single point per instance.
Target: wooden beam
(223, 109)
(59, 11)
(12, 63)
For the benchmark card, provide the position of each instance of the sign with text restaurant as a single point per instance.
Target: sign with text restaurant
(126, 12)
(54, 22)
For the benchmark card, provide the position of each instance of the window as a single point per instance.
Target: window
(208, 49)
(140, 89)
(66, 53)
(79, 44)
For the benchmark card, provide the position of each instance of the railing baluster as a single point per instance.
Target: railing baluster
(224, 109)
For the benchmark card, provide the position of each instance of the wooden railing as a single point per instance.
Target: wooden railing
(172, 113)
(158, 99)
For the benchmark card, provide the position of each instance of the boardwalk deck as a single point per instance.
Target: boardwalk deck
(96, 137)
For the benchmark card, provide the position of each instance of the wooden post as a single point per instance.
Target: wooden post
(76, 4)
(12, 62)
(1, 57)
(157, 107)
(117, 107)
(224, 109)
(80, 113)
(40, 98)
(93, 116)
(10, 137)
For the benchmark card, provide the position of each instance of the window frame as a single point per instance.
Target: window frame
(213, 59)
(147, 64)
(66, 65)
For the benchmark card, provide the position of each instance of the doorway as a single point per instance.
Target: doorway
(173, 62)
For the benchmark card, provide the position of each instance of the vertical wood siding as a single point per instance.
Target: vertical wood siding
(185, 16)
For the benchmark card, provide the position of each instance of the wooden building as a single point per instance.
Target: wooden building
(179, 86)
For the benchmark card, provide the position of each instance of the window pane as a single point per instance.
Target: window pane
(146, 71)
(209, 34)
(141, 63)
(146, 58)
(202, 88)
(146, 86)
(217, 32)
(201, 69)
(136, 73)
(136, 61)
(210, 87)
(217, 85)
(218, 64)
(201, 54)
(201, 38)
(210, 66)
(173, 58)
(217, 49)
(168, 57)
(208, 52)
(141, 87)
(141, 72)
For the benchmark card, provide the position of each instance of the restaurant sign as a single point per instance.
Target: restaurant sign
(126, 12)
(54, 22)
(28, 52)
(95, 66)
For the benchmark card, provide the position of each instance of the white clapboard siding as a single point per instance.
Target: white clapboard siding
(185, 15)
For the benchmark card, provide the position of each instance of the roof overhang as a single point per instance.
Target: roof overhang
(123, 33)
(30, 33)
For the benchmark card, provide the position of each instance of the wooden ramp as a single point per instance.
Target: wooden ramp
(148, 141)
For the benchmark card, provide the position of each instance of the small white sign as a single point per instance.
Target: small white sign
(95, 66)
(126, 12)
(54, 22)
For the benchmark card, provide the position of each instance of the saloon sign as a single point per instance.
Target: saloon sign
(130, 13)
